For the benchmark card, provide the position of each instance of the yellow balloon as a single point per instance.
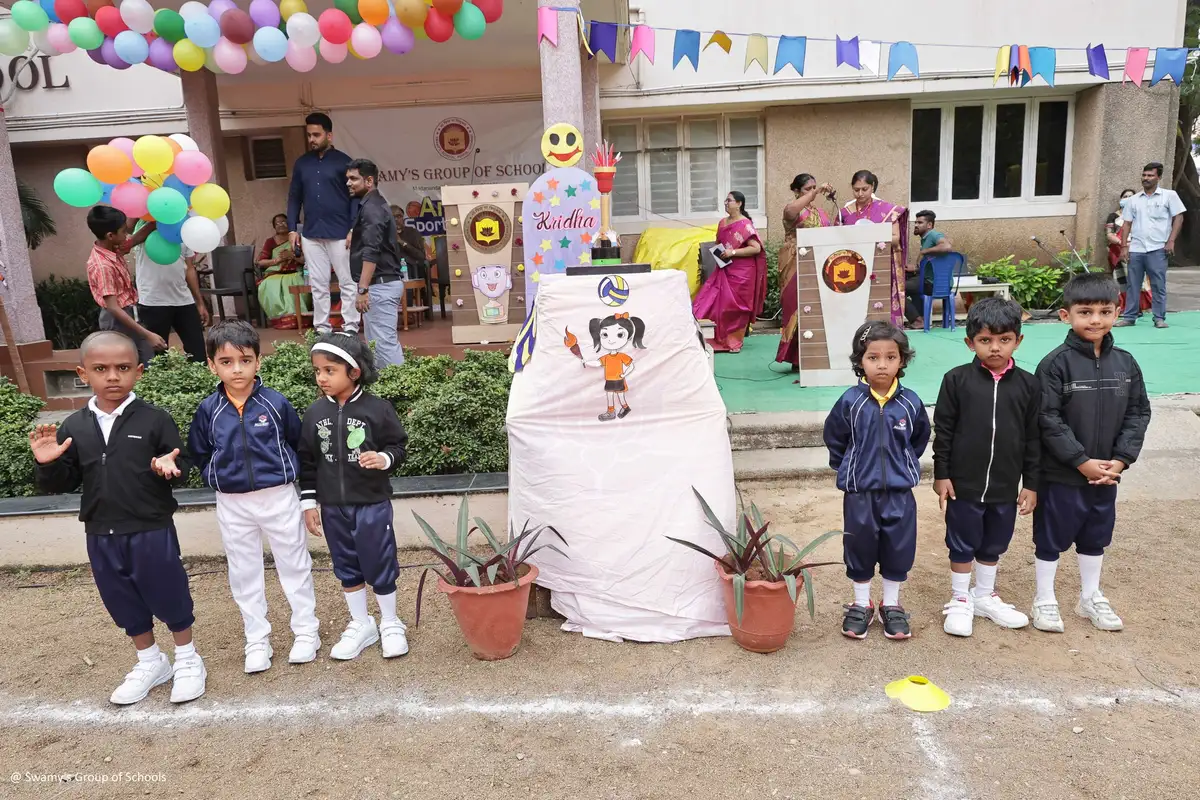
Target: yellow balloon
(153, 180)
(187, 55)
(210, 200)
(289, 7)
(153, 154)
(412, 13)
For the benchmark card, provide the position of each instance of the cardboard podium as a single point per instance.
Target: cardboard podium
(843, 280)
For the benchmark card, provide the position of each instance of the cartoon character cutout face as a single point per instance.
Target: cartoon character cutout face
(562, 146)
(610, 336)
(492, 281)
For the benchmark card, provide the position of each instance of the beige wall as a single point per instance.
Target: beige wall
(989, 239)
(253, 203)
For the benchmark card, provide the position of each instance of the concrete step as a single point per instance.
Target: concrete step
(788, 463)
(768, 431)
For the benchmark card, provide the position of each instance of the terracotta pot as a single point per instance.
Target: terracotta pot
(491, 618)
(768, 614)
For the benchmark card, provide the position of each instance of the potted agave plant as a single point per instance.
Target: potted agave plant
(488, 594)
(761, 575)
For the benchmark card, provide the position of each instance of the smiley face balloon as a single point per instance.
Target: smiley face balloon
(562, 146)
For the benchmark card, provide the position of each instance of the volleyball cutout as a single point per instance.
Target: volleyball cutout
(613, 290)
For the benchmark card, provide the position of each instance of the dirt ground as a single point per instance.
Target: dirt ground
(1080, 715)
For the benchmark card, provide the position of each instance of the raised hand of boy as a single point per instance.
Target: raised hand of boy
(1100, 473)
(1026, 502)
(164, 466)
(943, 488)
(312, 521)
(43, 441)
(372, 460)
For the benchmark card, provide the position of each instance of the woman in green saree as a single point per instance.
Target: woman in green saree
(280, 266)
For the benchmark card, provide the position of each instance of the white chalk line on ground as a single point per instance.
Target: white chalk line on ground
(648, 707)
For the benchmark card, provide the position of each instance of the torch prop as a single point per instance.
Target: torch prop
(572, 343)
(605, 161)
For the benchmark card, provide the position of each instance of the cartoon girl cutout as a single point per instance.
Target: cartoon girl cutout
(612, 335)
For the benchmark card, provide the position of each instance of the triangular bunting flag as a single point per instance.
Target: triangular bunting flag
(1042, 61)
(603, 39)
(868, 56)
(1002, 62)
(1135, 64)
(547, 25)
(791, 52)
(1025, 65)
(756, 51)
(687, 45)
(1014, 64)
(721, 40)
(903, 54)
(643, 42)
(1097, 61)
(583, 35)
(1169, 62)
(847, 52)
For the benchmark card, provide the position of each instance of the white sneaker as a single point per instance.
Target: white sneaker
(1097, 609)
(959, 617)
(144, 677)
(258, 657)
(395, 643)
(1046, 617)
(190, 676)
(1003, 614)
(357, 637)
(304, 648)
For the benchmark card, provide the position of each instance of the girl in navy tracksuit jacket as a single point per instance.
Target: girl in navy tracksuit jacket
(876, 434)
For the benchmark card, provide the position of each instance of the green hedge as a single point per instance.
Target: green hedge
(17, 413)
(69, 313)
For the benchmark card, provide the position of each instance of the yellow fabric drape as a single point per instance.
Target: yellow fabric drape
(675, 248)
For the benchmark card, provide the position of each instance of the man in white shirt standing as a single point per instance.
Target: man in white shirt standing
(169, 299)
(1153, 218)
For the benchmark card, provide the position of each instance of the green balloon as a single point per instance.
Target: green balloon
(167, 205)
(85, 33)
(169, 25)
(469, 22)
(78, 187)
(160, 251)
(13, 39)
(349, 8)
(30, 16)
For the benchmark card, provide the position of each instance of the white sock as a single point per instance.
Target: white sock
(358, 605)
(862, 594)
(387, 607)
(891, 592)
(985, 579)
(1044, 574)
(1089, 575)
(185, 650)
(151, 653)
(960, 584)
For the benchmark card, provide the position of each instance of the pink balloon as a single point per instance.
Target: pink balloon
(60, 38)
(231, 58)
(193, 167)
(301, 59)
(130, 198)
(126, 147)
(333, 53)
(366, 40)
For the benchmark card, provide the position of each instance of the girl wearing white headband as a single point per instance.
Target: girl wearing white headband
(350, 442)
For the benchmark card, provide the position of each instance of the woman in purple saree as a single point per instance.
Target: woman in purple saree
(866, 208)
(733, 296)
(801, 212)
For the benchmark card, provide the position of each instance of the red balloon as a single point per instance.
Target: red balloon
(438, 27)
(67, 10)
(108, 19)
(237, 27)
(448, 7)
(335, 26)
(492, 9)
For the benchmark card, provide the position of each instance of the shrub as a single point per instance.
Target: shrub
(17, 414)
(69, 313)
(177, 384)
(771, 307)
(403, 385)
(289, 371)
(1033, 286)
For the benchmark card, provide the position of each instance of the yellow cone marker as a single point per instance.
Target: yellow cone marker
(918, 694)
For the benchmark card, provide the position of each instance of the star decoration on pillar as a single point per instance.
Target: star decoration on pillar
(546, 245)
(585, 238)
(564, 243)
(585, 258)
(594, 202)
(554, 201)
(552, 183)
(537, 259)
(559, 265)
(570, 191)
(538, 197)
(586, 186)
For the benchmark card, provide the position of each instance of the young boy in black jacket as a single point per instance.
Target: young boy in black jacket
(986, 450)
(126, 453)
(1094, 418)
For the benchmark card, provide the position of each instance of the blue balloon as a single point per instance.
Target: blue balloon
(106, 195)
(172, 233)
(270, 44)
(131, 47)
(48, 7)
(173, 182)
(204, 31)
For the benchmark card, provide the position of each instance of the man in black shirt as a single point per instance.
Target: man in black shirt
(375, 263)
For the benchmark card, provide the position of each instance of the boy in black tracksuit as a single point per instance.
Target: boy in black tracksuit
(1094, 418)
(126, 454)
(986, 453)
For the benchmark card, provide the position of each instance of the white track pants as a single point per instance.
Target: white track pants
(324, 256)
(244, 520)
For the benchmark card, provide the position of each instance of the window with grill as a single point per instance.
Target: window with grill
(266, 158)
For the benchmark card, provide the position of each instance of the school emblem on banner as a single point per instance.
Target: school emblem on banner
(487, 228)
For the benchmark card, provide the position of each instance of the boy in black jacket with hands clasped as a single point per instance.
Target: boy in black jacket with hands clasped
(126, 453)
(986, 453)
(1094, 418)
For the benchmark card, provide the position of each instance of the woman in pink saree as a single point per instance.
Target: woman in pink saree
(801, 212)
(733, 296)
(866, 208)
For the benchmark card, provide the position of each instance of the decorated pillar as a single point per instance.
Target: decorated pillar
(591, 98)
(17, 288)
(562, 72)
(203, 109)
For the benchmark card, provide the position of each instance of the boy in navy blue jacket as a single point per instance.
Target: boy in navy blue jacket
(876, 434)
(243, 439)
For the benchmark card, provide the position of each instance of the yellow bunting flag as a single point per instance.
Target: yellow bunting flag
(721, 40)
(583, 36)
(756, 50)
(1003, 55)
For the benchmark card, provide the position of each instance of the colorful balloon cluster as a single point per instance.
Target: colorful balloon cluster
(223, 37)
(155, 178)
